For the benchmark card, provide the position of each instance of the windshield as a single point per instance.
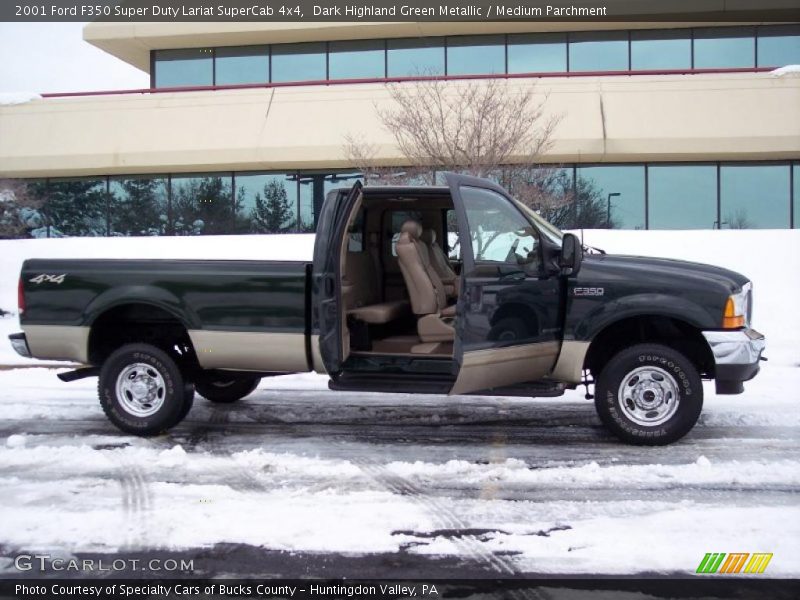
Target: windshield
(551, 232)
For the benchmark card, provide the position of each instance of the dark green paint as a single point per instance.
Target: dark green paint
(203, 294)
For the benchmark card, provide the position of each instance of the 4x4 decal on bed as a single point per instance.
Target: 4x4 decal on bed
(45, 278)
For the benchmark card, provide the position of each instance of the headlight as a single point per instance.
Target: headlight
(737, 308)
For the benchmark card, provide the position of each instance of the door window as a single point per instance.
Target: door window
(452, 241)
(498, 231)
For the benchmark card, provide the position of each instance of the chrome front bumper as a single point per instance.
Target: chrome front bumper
(736, 357)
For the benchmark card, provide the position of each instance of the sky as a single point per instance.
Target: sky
(52, 57)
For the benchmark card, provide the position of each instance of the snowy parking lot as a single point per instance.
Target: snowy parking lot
(299, 480)
(497, 485)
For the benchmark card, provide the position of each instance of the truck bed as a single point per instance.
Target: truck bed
(229, 307)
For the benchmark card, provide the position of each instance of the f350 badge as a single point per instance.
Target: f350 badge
(45, 278)
(588, 291)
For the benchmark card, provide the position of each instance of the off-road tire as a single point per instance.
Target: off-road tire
(685, 380)
(172, 400)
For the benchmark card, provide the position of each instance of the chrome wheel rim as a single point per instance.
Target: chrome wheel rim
(141, 389)
(649, 396)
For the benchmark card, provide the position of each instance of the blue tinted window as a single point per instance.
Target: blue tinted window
(313, 188)
(138, 206)
(244, 64)
(778, 45)
(552, 196)
(615, 192)
(356, 60)
(598, 51)
(77, 207)
(266, 202)
(724, 47)
(202, 204)
(298, 62)
(409, 57)
(537, 53)
(796, 190)
(754, 196)
(682, 196)
(193, 66)
(467, 55)
(670, 49)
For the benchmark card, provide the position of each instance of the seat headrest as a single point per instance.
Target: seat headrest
(412, 228)
(429, 237)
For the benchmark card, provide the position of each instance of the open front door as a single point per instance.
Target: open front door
(508, 328)
(327, 313)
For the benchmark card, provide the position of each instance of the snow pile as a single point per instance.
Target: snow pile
(790, 70)
(12, 98)
(512, 471)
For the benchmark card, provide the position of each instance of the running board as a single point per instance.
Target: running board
(398, 384)
(421, 384)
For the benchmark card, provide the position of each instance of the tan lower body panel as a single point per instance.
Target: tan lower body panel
(496, 367)
(250, 351)
(58, 342)
(569, 367)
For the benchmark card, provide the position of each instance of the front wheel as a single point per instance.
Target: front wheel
(225, 390)
(649, 394)
(142, 390)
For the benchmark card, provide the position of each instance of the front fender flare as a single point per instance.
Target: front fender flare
(655, 305)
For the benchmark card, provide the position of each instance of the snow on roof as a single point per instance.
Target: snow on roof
(791, 70)
(9, 98)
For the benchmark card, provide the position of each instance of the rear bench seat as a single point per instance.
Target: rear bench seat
(360, 292)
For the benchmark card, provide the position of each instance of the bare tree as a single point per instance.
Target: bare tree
(739, 220)
(474, 127)
(361, 155)
(485, 128)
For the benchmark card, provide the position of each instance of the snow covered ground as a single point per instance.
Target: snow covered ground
(499, 485)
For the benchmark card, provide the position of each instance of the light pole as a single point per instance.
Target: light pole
(608, 209)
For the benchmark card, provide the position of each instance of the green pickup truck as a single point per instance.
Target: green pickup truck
(457, 289)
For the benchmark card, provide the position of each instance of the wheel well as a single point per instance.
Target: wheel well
(678, 335)
(142, 323)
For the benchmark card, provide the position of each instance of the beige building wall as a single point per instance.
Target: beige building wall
(748, 116)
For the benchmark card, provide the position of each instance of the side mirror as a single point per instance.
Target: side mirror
(571, 254)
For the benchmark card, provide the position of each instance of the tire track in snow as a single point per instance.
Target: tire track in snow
(136, 500)
(444, 517)
(468, 544)
(211, 436)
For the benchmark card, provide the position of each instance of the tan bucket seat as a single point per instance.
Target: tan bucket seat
(425, 288)
(440, 263)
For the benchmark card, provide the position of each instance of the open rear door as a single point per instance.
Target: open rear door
(508, 326)
(327, 314)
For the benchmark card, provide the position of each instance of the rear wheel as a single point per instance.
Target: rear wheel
(142, 390)
(226, 390)
(649, 394)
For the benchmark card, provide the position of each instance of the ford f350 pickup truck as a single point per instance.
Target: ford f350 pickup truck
(519, 311)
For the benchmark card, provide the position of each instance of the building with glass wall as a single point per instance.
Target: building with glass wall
(663, 125)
